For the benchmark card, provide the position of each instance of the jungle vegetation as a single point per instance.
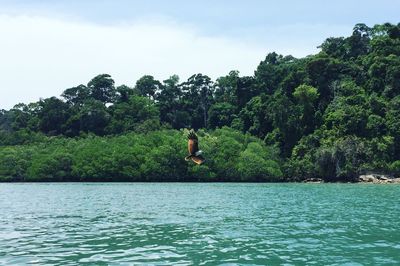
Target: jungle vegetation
(332, 115)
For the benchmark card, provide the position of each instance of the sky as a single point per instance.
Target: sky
(49, 46)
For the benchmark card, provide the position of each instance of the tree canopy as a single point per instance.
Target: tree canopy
(332, 115)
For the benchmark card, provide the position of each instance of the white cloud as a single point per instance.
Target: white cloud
(42, 56)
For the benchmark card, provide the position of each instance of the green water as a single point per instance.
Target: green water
(200, 224)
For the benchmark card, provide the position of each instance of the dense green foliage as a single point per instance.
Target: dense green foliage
(155, 156)
(332, 115)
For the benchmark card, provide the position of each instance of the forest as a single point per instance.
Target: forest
(333, 115)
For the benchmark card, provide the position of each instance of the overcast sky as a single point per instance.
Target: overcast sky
(48, 46)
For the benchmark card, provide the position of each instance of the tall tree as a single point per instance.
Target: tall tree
(170, 104)
(306, 97)
(198, 97)
(76, 95)
(148, 86)
(101, 88)
(226, 88)
(123, 92)
(52, 114)
(127, 116)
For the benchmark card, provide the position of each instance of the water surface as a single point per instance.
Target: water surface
(200, 224)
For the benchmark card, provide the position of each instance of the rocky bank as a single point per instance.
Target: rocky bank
(378, 179)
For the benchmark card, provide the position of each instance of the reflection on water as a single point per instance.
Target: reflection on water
(201, 224)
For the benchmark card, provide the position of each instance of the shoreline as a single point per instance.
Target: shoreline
(394, 181)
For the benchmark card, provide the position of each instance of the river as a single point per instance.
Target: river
(199, 224)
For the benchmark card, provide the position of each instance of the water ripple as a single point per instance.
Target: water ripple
(199, 224)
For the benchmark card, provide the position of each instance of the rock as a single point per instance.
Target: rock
(313, 180)
(378, 179)
(382, 177)
(366, 178)
(395, 180)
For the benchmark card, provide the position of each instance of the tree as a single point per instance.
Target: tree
(101, 88)
(323, 71)
(127, 116)
(255, 116)
(306, 97)
(169, 102)
(221, 114)
(333, 114)
(198, 97)
(226, 88)
(272, 71)
(343, 160)
(92, 117)
(53, 114)
(348, 113)
(147, 86)
(335, 47)
(359, 41)
(246, 89)
(392, 119)
(284, 115)
(76, 95)
(123, 92)
(254, 165)
(51, 167)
